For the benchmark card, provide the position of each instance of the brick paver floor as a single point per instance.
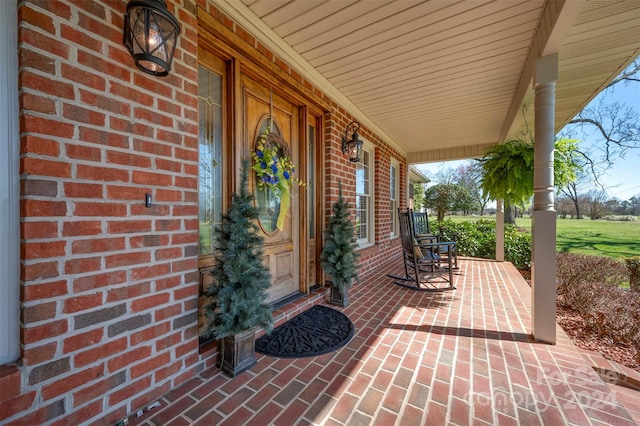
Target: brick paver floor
(461, 357)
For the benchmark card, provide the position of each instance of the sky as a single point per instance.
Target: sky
(623, 179)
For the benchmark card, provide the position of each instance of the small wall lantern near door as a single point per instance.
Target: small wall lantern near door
(151, 34)
(353, 146)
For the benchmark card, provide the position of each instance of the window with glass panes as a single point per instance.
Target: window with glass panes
(393, 196)
(364, 198)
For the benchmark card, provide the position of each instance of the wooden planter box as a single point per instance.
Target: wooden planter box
(337, 298)
(237, 353)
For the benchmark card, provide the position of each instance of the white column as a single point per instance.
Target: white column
(500, 231)
(544, 214)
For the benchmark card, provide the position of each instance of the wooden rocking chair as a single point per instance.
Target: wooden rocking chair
(423, 234)
(427, 265)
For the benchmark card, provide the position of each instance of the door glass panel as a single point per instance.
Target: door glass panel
(210, 154)
(267, 196)
(311, 191)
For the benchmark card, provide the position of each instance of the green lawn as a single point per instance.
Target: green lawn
(597, 237)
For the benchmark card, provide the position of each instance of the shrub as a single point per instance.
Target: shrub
(608, 310)
(572, 268)
(517, 247)
(473, 238)
(633, 265)
(590, 285)
(478, 239)
(620, 218)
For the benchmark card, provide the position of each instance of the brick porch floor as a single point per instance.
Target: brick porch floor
(462, 357)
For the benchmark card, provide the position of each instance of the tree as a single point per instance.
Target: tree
(469, 175)
(596, 203)
(613, 128)
(630, 74)
(446, 175)
(612, 206)
(418, 196)
(574, 190)
(624, 207)
(634, 204)
(565, 207)
(238, 295)
(339, 255)
(464, 200)
(507, 171)
(444, 197)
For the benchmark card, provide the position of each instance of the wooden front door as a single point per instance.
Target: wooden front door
(262, 109)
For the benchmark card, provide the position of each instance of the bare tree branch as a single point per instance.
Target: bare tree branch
(616, 127)
(627, 75)
(597, 124)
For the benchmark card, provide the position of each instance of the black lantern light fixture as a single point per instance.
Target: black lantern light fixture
(151, 34)
(353, 146)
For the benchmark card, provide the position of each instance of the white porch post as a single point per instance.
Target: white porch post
(544, 214)
(499, 231)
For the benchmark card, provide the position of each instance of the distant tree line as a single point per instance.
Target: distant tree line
(506, 170)
(459, 191)
(596, 204)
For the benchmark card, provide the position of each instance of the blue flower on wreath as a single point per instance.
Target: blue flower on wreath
(273, 166)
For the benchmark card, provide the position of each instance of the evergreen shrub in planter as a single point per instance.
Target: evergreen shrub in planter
(339, 256)
(238, 293)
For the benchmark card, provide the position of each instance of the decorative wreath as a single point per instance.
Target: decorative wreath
(274, 168)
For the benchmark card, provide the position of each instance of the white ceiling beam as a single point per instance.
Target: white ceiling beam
(448, 154)
(558, 17)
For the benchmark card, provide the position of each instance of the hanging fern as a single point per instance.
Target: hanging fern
(508, 169)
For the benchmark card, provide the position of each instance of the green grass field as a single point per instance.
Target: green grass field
(596, 237)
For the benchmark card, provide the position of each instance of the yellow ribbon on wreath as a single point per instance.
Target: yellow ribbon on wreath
(285, 203)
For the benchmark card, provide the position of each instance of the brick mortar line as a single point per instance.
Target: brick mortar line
(414, 378)
(395, 312)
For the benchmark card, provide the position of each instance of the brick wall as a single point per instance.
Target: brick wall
(108, 286)
(339, 168)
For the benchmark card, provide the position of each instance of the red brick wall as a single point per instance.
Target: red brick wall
(339, 168)
(108, 286)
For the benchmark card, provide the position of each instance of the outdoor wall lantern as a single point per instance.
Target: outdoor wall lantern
(353, 146)
(151, 34)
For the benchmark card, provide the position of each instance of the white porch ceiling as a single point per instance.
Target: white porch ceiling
(442, 78)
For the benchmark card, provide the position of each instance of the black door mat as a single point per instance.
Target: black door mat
(317, 331)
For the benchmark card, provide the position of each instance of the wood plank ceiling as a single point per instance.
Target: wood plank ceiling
(443, 74)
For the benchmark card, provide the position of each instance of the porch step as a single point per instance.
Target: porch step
(290, 310)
